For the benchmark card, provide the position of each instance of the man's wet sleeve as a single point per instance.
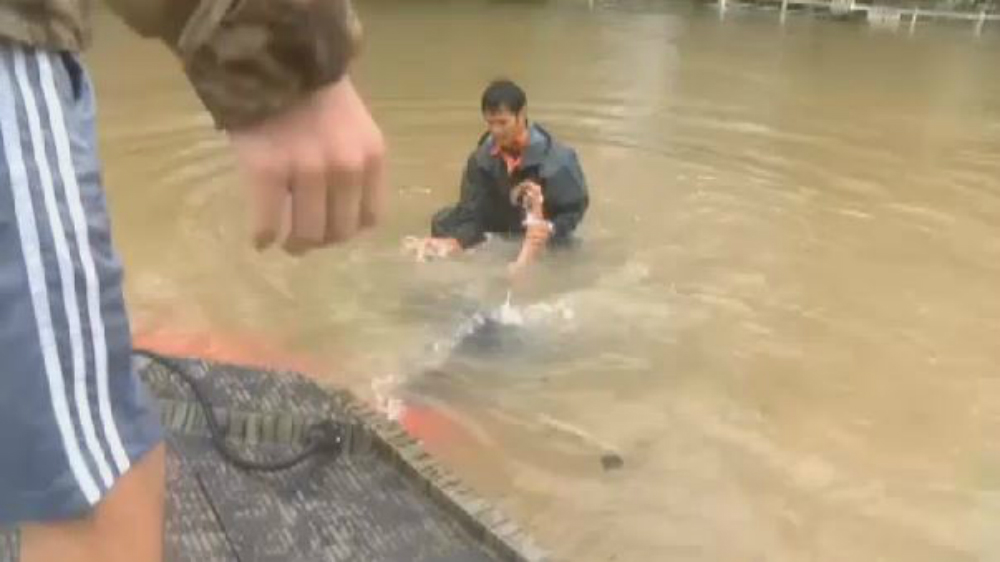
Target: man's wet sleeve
(567, 198)
(470, 228)
(251, 59)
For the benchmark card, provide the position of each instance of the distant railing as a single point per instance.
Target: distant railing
(890, 17)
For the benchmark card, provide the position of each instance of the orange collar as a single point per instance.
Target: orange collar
(513, 157)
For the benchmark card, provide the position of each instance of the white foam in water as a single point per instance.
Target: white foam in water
(539, 324)
(554, 316)
(508, 314)
(384, 390)
(558, 312)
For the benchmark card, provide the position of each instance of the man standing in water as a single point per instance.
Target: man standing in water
(519, 181)
(81, 452)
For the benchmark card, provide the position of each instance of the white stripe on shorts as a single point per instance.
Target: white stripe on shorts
(64, 158)
(67, 173)
(31, 250)
(67, 275)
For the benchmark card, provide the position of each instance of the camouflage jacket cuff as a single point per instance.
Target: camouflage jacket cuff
(251, 59)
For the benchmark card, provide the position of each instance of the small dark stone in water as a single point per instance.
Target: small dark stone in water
(612, 461)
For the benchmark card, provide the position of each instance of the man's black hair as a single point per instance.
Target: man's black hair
(503, 94)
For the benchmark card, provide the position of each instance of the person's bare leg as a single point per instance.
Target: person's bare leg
(126, 526)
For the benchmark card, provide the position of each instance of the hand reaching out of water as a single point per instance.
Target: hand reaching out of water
(537, 231)
(516, 270)
(315, 172)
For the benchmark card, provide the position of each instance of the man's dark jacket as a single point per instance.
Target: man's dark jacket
(485, 204)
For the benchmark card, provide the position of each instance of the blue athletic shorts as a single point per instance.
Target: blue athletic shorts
(73, 415)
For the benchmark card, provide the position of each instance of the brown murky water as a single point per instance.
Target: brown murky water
(784, 316)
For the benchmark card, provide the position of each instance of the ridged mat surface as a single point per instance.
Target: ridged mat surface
(375, 502)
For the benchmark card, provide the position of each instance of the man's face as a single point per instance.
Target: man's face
(506, 126)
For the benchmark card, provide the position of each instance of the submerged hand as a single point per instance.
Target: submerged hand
(425, 248)
(321, 164)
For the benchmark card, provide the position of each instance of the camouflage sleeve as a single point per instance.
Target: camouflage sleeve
(250, 59)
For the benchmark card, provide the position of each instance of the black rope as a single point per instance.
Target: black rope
(323, 437)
